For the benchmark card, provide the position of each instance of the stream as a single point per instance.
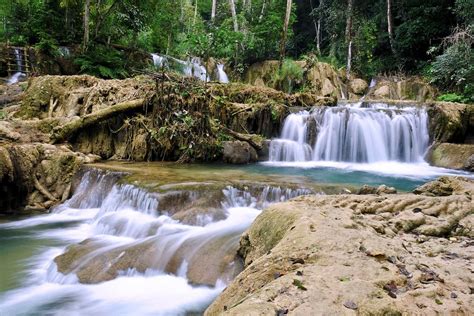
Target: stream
(153, 238)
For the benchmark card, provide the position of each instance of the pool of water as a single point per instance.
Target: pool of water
(28, 246)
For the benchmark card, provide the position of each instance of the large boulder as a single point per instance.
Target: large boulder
(358, 86)
(239, 152)
(451, 122)
(352, 254)
(454, 156)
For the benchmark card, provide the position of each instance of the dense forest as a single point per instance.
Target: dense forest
(431, 38)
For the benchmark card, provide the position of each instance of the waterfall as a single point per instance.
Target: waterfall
(351, 133)
(19, 68)
(221, 75)
(159, 61)
(193, 67)
(136, 251)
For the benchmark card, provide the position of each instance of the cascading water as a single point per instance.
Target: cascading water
(19, 68)
(134, 255)
(349, 133)
(159, 61)
(221, 75)
(191, 68)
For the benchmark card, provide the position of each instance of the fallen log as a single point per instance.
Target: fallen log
(66, 131)
(243, 137)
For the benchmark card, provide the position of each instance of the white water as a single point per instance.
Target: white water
(350, 133)
(116, 218)
(221, 75)
(191, 68)
(159, 61)
(19, 68)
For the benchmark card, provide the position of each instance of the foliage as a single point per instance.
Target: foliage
(454, 69)
(287, 76)
(102, 62)
(453, 97)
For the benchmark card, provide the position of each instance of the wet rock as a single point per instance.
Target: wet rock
(239, 152)
(454, 156)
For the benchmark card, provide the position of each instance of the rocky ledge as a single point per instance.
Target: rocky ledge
(367, 254)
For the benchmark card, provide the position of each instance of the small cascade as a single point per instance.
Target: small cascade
(221, 74)
(159, 61)
(190, 68)
(127, 243)
(19, 68)
(198, 70)
(351, 133)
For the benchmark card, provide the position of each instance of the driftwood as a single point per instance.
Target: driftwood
(66, 131)
(243, 137)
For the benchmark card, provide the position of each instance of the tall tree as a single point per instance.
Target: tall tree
(390, 26)
(285, 31)
(213, 10)
(350, 4)
(87, 6)
(234, 15)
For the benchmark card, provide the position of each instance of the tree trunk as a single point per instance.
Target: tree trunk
(68, 130)
(317, 26)
(234, 15)
(213, 10)
(390, 26)
(262, 12)
(349, 37)
(195, 12)
(87, 5)
(285, 31)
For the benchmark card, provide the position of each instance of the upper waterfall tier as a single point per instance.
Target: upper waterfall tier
(377, 132)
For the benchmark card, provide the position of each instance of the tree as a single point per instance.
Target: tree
(349, 37)
(87, 5)
(285, 31)
(390, 26)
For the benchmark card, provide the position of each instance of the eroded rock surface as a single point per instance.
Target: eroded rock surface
(454, 156)
(389, 254)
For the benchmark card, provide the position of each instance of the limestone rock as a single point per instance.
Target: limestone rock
(444, 186)
(358, 86)
(239, 152)
(343, 249)
(450, 122)
(469, 164)
(411, 88)
(454, 156)
(382, 92)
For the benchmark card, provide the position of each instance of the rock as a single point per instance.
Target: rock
(35, 173)
(454, 156)
(450, 122)
(345, 260)
(469, 164)
(367, 189)
(383, 189)
(382, 92)
(411, 88)
(239, 152)
(328, 88)
(445, 186)
(358, 86)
